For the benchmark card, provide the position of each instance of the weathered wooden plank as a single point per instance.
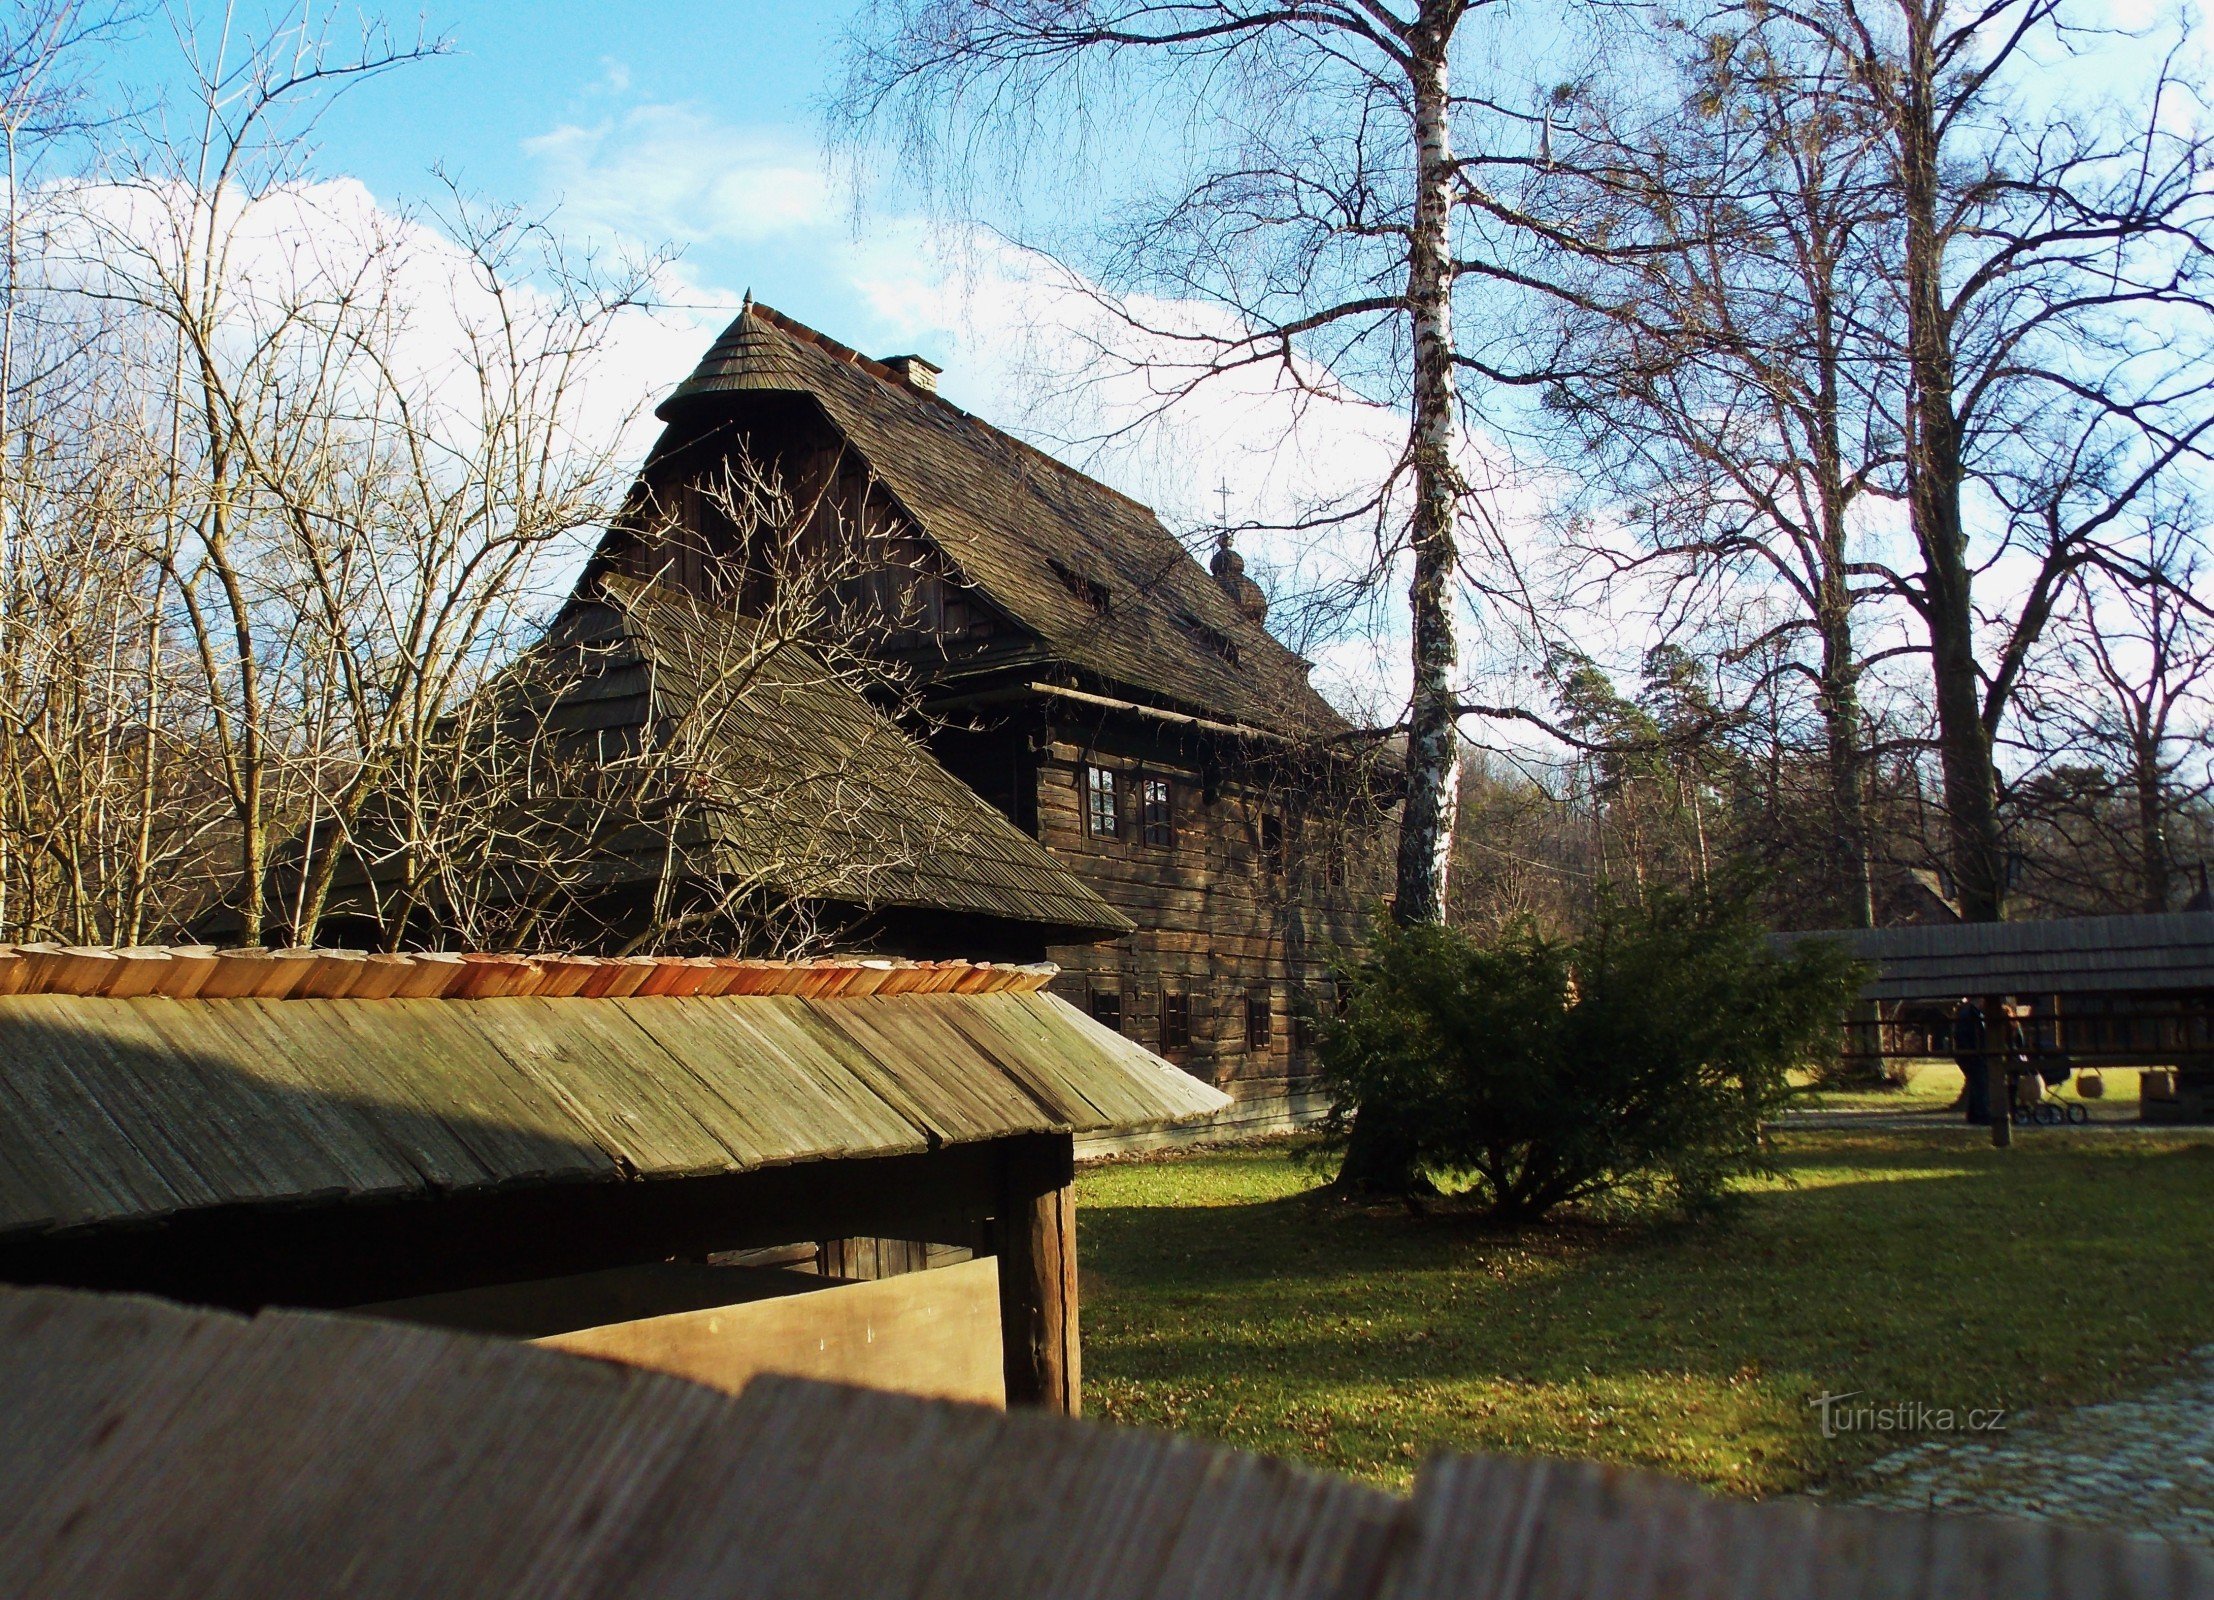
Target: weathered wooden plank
(71, 1366)
(461, 1509)
(1036, 1054)
(430, 1063)
(309, 1049)
(76, 1158)
(241, 1491)
(1273, 1530)
(786, 1094)
(141, 1107)
(293, 1105)
(638, 1102)
(1113, 1069)
(839, 1451)
(963, 1091)
(924, 1333)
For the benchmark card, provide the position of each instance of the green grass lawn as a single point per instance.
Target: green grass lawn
(1223, 1298)
(1932, 1085)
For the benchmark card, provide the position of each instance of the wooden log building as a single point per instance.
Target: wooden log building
(574, 1149)
(1080, 671)
(157, 1451)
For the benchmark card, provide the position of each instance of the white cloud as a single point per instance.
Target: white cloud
(659, 173)
(321, 286)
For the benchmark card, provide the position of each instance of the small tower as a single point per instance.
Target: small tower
(1229, 570)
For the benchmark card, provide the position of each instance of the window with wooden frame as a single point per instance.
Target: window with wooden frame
(1156, 816)
(1176, 1021)
(1107, 1008)
(1272, 844)
(1102, 812)
(1258, 1022)
(1334, 850)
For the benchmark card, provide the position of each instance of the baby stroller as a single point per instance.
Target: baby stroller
(2030, 1089)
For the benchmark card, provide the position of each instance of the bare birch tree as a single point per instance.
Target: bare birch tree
(1340, 192)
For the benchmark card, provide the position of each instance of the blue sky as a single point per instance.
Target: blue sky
(566, 103)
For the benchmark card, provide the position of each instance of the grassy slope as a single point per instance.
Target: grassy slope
(1222, 1299)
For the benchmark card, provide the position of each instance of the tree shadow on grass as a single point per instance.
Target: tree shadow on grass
(1922, 1267)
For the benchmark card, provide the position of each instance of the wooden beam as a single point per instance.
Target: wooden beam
(1034, 1234)
(926, 1333)
(344, 1254)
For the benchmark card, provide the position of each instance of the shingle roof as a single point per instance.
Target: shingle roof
(156, 1450)
(124, 1111)
(1005, 513)
(2063, 955)
(799, 767)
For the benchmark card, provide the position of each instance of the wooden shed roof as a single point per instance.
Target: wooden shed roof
(2064, 955)
(888, 825)
(790, 779)
(128, 1109)
(158, 1451)
(1030, 532)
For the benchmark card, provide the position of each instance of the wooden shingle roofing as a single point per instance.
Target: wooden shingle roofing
(858, 803)
(123, 1110)
(2064, 955)
(156, 1451)
(1018, 524)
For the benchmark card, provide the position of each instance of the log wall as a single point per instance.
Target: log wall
(1225, 911)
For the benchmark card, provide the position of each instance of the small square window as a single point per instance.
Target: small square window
(1257, 1021)
(1155, 818)
(1272, 845)
(1176, 1021)
(1102, 814)
(1107, 1008)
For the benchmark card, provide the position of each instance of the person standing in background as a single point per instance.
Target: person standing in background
(1968, 1056)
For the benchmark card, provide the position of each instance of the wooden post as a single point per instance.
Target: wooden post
(1998, 1034)
(1034, 1237)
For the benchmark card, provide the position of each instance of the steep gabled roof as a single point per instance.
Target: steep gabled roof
(799, 748)
(1033, 533)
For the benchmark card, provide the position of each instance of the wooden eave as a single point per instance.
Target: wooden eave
(125, 1110)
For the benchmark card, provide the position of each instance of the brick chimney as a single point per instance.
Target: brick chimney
(915, 372)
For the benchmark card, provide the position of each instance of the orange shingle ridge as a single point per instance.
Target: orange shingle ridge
(194, 972)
